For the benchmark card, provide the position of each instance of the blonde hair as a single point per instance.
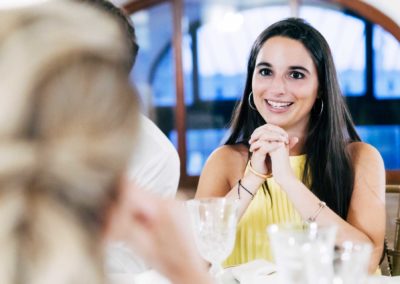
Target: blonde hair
(67, 121)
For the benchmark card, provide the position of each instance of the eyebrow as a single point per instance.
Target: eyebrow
(295, 67)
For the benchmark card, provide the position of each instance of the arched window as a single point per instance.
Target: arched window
(216, 45)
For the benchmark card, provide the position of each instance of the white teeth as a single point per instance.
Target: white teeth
(278, 104)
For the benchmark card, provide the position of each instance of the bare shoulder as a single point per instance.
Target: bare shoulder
(363, 152)
(223, 168)
(230, 153)
(369, 168)
(229, 160)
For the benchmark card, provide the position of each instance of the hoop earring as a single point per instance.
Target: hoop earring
(250, 105)
(322, 107)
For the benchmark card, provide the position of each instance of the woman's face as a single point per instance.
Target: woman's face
(285, 84)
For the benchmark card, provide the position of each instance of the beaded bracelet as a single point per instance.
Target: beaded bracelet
(241, 186)
(257, 173)
(314, 216)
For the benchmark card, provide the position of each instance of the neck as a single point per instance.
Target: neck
(301, 134)
(297, 149)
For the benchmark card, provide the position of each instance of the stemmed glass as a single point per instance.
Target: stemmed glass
(214, 223)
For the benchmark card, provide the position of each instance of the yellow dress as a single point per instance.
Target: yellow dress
(251, 237)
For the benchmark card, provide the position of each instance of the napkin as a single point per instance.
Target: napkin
(150, 276)
(254, 270)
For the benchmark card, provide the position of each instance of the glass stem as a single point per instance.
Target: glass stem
(216, 269)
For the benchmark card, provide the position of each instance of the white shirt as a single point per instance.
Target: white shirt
(154, 166)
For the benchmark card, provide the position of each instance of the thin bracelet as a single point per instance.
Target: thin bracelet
(314, 216)
(241, 186)
(257, 173)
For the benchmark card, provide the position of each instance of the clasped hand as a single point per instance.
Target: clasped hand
(269, 147)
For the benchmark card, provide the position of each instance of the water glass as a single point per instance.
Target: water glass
(303, 253)
(214, 223)
(351, 262)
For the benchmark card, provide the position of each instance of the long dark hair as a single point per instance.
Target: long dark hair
(328, 169)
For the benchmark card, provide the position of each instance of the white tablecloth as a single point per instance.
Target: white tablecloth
(256, 272)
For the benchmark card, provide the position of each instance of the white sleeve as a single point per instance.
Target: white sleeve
(155, 164)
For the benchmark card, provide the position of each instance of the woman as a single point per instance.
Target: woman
(293, 153)
(68, 121)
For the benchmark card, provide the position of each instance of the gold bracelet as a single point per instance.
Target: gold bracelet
(314, 216)
(257, 173)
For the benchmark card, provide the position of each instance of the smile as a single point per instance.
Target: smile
(278, 105)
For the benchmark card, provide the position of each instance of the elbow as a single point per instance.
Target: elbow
(376, 255)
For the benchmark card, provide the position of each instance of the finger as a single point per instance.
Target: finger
(273, 128)
(256, 145)
(269, 137)
(272, 137)
(268, 128)
(142, 206)
(271, 147)
(261, 147)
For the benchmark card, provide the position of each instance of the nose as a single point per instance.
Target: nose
(277, 85)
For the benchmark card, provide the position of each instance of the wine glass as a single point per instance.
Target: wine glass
(303, 253)
(351, 262)
(214, 223)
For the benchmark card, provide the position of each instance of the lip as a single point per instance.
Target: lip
(278, 106)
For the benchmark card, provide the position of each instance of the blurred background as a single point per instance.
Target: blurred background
(191, 66)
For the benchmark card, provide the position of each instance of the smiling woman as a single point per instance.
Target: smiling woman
(294, 147)
(285, 84)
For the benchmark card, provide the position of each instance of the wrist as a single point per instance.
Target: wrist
(252, 182)
(257, 173)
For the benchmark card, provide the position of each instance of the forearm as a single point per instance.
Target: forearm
(375, 258)
(307, 204)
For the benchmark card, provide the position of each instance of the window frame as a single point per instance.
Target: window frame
(362, 9)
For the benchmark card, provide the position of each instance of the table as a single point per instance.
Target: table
(153, 277)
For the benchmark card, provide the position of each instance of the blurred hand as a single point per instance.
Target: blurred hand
(159, 231)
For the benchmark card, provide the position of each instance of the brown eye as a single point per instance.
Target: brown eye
(265, 72)
(296, 75)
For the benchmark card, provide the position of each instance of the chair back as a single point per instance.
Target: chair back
(393, 251)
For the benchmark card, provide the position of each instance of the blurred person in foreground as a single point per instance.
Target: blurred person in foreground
(155, 164)
(67, 125)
